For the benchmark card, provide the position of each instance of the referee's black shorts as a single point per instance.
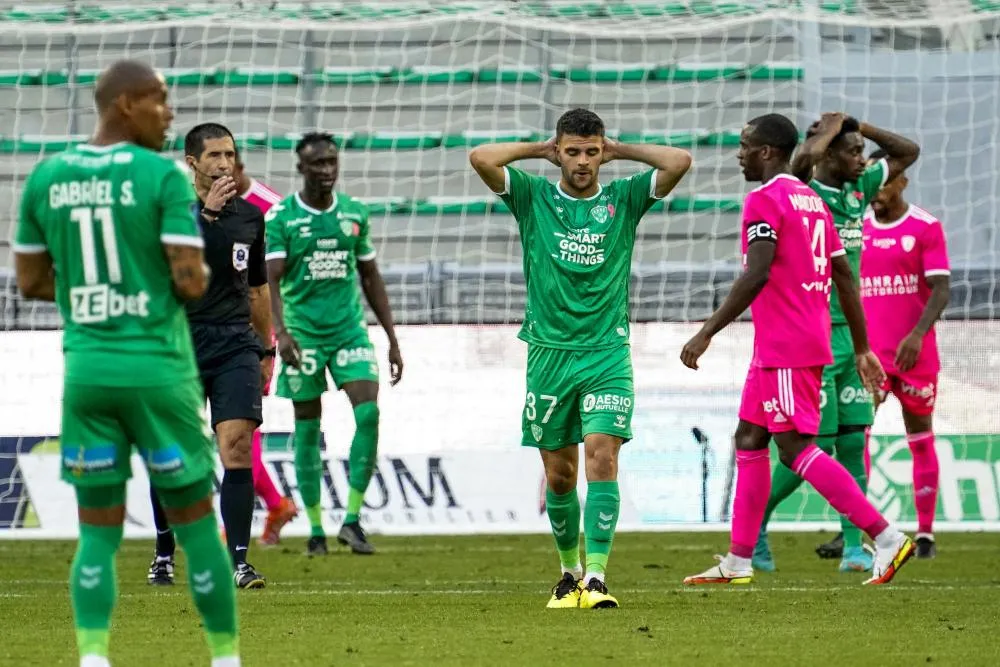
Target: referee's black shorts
(229, 362)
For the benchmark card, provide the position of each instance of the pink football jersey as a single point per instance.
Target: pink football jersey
(261, 196)
(895, 262)
(791, 315)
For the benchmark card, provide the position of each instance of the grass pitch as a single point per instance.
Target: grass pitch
(480, 601)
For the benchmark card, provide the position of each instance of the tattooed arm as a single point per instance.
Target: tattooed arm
(187, 270)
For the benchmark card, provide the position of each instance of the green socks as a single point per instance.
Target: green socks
(93, 586)
(599, 519)
(564, 517)
(361, 464)
(851, 454)
(210, 578)
(309, 471)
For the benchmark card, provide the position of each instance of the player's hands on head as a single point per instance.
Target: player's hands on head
(289, 349)
(871, 371)
(908, 351)
(223, 189)
(830, 122)
(694, 348)
(552, 151)
(395, 364)
(610, 150)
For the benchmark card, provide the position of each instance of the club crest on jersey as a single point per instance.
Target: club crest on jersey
(854, 202)
(908, 242)
(347, 227)
(536, 431)
(600, 214)
(241, 256)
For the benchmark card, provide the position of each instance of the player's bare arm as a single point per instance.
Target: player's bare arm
(869, 367)
(909, 348)
(373, 286)
(670, 163)
(760, 256)
(35, 277)
(901, 152)
(187, 270)
(820, 135)
(288, 347)
(490, 159)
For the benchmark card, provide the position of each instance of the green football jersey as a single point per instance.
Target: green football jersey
(577, 258)
(103, 214)
(321, 249)
(848, 206)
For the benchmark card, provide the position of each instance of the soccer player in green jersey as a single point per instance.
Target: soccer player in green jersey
(107, 231)
(318, 245)
(578, 236)
(832, 161)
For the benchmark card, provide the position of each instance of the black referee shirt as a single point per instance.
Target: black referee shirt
(234, 251)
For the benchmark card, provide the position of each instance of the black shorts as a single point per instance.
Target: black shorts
(229, 362)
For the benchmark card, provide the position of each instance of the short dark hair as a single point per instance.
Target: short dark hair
(310, 138)
(194, 142)
(777, 131)
(580, 123)
(878, 154)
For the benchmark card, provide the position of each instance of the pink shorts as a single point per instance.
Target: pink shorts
(916, 389)
(783, 399)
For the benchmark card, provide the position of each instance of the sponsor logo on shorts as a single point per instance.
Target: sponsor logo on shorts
(850, 395)
(355, 355)
(606, 403)
(925, 392)
(620, 421)
(165, 459)
(79, 459)
(772, 406)
(295, 384)
(537, 432)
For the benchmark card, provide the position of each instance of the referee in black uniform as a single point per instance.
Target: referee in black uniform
(231, 329)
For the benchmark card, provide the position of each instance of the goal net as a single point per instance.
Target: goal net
(409, 86)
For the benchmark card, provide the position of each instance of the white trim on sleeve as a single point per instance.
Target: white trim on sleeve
(368, 257)
(506, 184)
(277, 254)
(30, 248)
(838, 253)
(937, 272)
(182, 239)
(652, 186)
(885, 173)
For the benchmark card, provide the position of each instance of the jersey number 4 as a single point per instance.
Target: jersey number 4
(818, 235)
(85, 218)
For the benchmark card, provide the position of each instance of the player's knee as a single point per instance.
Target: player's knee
(236, 447)
(187, 504)
(560, 474)
(602, 461)
(366, 416)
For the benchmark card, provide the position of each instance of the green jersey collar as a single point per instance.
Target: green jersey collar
(600, 189)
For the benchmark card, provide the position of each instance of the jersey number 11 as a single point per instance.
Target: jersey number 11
(85, 217)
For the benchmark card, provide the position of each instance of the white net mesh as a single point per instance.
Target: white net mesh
(410, 86)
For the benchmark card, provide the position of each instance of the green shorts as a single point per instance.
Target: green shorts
(573, 393)
(352, 360)
(843, 399)
(166, 425)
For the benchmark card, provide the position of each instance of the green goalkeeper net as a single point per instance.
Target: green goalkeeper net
(408, 87)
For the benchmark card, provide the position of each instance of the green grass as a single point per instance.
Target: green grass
(480, 601)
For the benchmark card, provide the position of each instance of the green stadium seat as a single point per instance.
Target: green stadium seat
(471, 138)
(475, 205)
(344, 76)
(381, 141)
(682, 139)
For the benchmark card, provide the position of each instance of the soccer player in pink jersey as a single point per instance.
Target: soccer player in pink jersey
(905, 284)
(791, 250)
(280, 509)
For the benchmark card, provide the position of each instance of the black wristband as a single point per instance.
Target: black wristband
(211, 212)
(272, 352)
